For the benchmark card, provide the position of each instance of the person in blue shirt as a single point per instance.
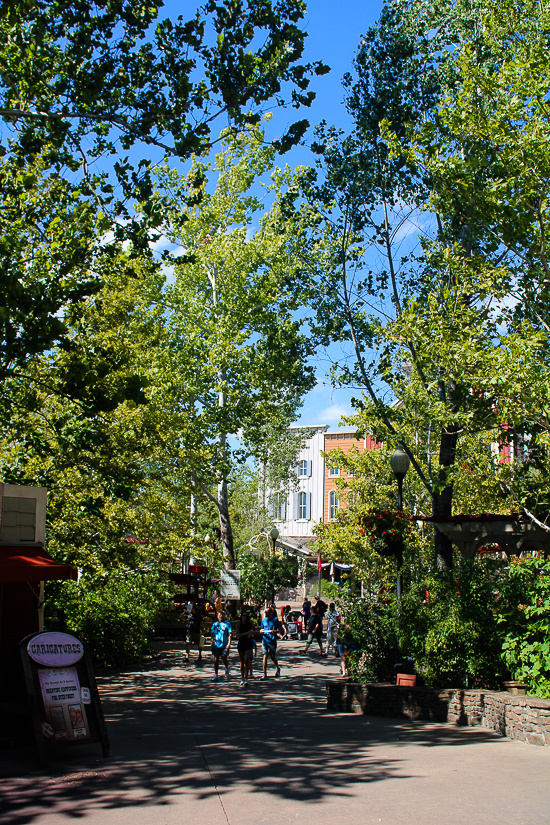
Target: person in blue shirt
(269, 628)
(221, 642)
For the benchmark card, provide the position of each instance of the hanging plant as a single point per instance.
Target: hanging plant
(385, 530)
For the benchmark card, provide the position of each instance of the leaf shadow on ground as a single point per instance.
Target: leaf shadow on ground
(174, 733)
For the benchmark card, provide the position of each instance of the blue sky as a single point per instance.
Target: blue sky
(334, 32)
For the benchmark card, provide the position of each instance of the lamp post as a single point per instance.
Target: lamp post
(274, 535)
(400, 463)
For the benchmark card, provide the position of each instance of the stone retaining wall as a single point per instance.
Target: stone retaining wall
(526, 718)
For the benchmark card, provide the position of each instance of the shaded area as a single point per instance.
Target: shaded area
(178, 737)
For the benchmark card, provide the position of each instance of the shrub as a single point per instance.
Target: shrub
(525, 622)
(449, 626)
(372, 628)
(114, 615)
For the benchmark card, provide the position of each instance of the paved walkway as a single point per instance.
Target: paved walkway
(187, 750)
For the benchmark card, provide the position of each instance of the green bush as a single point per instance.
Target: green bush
(524, 618)
(449, 626)
(264, 575)
(114, 615)
(373, 631)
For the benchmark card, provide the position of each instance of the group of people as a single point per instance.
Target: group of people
(271, 629)
(222, 635)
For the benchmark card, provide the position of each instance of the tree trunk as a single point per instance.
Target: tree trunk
(442, 502)
(225, 526)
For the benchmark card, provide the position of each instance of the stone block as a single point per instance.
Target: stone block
(535, 739)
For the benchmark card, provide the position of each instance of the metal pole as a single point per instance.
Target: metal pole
(319, 585)
(399, 492)
(399, 584)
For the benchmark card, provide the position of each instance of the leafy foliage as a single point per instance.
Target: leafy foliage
(449, 627)
(113, 615)
(88, 94)
(265, 574)
(525, 620)
(372, 632)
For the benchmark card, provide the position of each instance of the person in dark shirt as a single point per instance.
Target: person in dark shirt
(315, 630)
(195, 631)
(306, 612)
(245, 644)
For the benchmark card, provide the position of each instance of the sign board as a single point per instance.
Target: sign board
(230, 584)
(55, 649)
(62, 694)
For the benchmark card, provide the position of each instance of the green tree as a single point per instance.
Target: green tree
(419, 338)
(87, 93)
(486, 152)
(265, 573)
(234, 364)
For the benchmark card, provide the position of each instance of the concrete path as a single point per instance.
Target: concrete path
(187, 750)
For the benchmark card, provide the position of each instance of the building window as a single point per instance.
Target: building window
(335, 471)
(334, 504)
(302, 505)
(279, 507)
(302, 468)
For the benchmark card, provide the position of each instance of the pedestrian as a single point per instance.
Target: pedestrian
(345, 642)
(315, 630)
(221, 642)
(245, 644)
(252, 657)
(195, 632)
(306, 612)
(269, 629)
(285, 620)
(321, 607)
(333, 618)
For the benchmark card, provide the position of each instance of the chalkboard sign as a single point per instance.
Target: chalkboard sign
(64, 704)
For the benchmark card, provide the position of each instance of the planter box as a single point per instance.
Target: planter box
(405, 680)
(516, 688)
(526, 718)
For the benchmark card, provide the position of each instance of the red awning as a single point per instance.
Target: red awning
(31, 564)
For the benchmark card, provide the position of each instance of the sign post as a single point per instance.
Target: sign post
(230, 585)
(64, 704)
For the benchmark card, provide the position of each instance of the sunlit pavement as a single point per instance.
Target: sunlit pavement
(189, 750)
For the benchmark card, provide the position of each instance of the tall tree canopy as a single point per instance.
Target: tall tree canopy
(235, 360)
(414, 327)
(90, 95)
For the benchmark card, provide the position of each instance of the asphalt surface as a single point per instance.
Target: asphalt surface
(187, 750)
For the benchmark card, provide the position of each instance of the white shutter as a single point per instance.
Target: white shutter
(309, 468)
(308, 506)
(295, 508)
(283, 510)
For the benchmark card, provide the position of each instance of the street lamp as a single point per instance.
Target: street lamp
(274, 535)
(400, 463)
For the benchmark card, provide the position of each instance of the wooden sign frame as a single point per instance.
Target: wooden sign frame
(95, 722)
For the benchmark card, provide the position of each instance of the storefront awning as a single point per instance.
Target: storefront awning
(31, 564)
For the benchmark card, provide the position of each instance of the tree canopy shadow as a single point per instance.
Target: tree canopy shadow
(174, 733)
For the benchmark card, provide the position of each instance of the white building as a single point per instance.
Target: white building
(296, 514)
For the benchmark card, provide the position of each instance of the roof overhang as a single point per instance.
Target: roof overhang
(20, 563)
